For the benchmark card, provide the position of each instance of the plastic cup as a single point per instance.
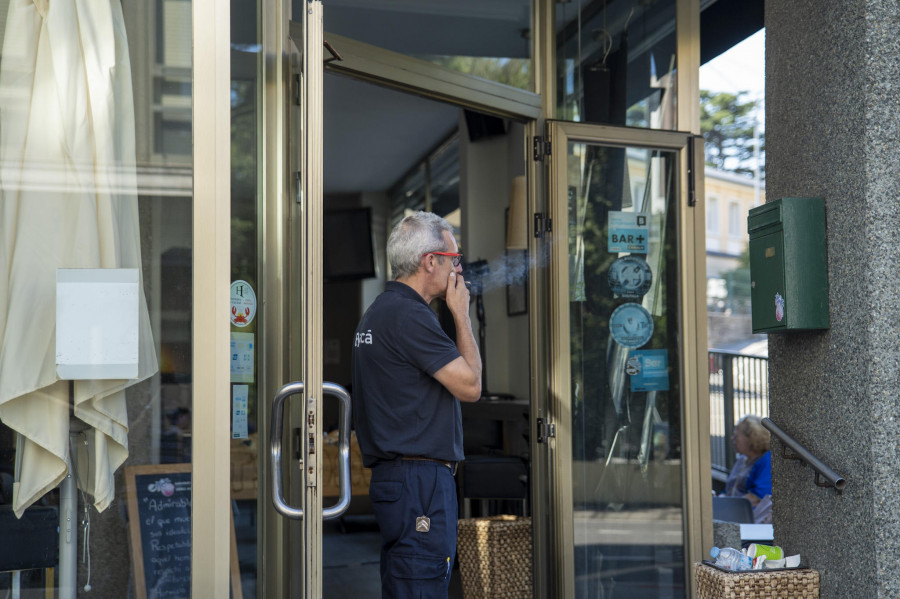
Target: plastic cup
(771, 552)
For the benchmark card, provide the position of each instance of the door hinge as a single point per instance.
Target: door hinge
(541, 148)
(545, 430)
(542, 225)
(297, 89)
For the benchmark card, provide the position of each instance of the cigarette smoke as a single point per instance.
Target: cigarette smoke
(506, 270)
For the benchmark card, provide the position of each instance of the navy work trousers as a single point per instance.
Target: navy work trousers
(415, 563)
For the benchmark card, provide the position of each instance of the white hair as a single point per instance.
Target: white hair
(414, 236)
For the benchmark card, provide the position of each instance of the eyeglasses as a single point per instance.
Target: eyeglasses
(457, 258)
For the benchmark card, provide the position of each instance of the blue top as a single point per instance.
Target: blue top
(750, 477)
(399, 408)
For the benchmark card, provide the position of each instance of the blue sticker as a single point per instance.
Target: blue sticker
(631, 325)
(628, 232)
(649, 369)
(630, 277)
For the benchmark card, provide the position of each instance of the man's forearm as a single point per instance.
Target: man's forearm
(465, 343)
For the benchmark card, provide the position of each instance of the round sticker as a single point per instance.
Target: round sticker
(243, 303)
(630, 277)
(631, 325)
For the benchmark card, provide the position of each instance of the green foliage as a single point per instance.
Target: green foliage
(510, 71)
(727, 124)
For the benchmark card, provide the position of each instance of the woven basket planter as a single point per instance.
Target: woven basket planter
(495, 557)
(712, 583)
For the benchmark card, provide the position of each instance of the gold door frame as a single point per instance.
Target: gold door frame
(211, 122)
(211, 134)
(696, 487)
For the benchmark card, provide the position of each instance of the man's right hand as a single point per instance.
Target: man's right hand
(462, 376)
(457, 296)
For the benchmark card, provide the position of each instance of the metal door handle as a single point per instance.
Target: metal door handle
(275, 433)
(343, 503)
(343, 450)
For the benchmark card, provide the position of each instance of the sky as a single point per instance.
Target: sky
(740, 69)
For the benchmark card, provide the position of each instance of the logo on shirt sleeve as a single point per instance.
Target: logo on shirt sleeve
(363, 338)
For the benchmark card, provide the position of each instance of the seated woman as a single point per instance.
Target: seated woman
(751, 476)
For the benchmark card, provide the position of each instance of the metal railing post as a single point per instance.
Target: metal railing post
(728, 400)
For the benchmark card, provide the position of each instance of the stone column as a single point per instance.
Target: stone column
(833, 130)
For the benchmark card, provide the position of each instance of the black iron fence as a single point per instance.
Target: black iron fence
(738, 385)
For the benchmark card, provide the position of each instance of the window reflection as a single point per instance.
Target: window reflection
(128, 139)
(616, 62)
(490, 40)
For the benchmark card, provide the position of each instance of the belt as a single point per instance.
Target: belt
(419, 458)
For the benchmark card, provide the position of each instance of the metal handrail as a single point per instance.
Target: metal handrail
(832, 479)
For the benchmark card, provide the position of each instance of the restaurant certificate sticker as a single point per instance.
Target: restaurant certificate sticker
(630, 277)
(649, 369)
(242, 357)
(628, 232)
(631, 325)
(243, 303)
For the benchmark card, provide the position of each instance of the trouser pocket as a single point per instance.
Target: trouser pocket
(420, 567)
(416, 577)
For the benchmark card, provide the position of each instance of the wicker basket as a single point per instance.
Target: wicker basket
(495, 557)
(712, 583)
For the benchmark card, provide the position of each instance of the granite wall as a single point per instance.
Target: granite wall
(833, 130)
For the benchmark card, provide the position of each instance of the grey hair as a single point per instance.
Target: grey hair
(415, 235)
(756, 432)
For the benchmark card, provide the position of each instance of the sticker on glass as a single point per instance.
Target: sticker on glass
(630, 277)
(631, 325)
(239, 403)
(779, 307)
(241, 357)
(243, 303)
(632, 366)
(628, 232)
(652, 369)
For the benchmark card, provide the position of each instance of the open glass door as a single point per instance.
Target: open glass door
(624, 462)
(292, 506)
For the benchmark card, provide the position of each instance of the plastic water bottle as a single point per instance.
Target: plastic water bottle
(731, 559)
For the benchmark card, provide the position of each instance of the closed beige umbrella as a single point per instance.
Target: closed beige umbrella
(67, 200)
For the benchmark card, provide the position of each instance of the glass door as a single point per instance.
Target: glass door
(294, 441)
(623, 277)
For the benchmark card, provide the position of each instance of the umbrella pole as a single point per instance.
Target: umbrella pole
(68, 514)
(68, 536)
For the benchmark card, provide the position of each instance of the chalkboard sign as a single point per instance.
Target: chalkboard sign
(159, 513)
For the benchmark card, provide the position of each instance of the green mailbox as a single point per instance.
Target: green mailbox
(788, 265)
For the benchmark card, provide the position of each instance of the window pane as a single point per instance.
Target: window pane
(246, 138)
(712, 215)
(101, 180)
(490, 40)
(626, 400)
(616, 63)
(734, 219)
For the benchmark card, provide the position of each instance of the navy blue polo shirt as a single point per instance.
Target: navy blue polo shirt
(399, 408)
